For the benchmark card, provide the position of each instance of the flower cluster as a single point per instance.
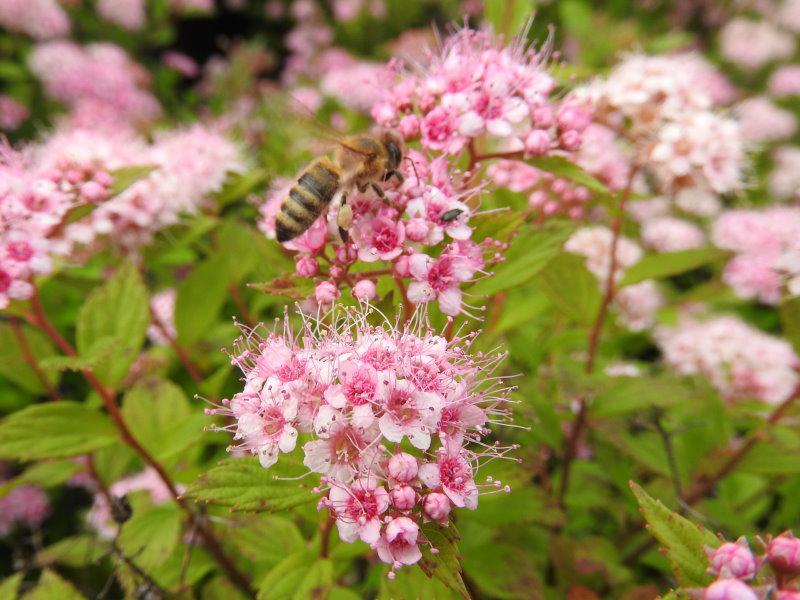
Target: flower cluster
(740, 361)
(394, 418)
(428, 208)
(784, 180)
(25, 505)
(637, 304)
(752, 44)
(476, 87)
(741, 576)
(12, 113)
(761, 121)
(162, 308)
(767, 247)
(99, 82)
(40, 19)
(669, 122)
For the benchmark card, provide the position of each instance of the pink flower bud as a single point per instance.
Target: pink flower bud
(73, 176)
(436, 506)
(364, 290)
(103, 178)
(403, 497)
(401, 267)
(573, 117)
(326, 293)
(346, 254)
(417, 229)
(783, 554)
(542, 117)
(409, 126)
(307, 267)
(403, 467)
(571, 140)
(537, 142)
(733, 560)
(537, 198)
(93, 191)
(729, 589)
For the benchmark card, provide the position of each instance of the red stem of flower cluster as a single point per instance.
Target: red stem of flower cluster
(30, 359)
(107, 396)
(571, 443)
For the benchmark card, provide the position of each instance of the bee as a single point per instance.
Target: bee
(359, 161)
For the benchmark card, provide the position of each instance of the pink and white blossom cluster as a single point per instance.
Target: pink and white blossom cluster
(40, 19)
(476, 90)
(24, 505)
(393, 419)
(740, 361)
(767, 247)
(752, 44)
(784, 179)
(637, 304)
(162, 309)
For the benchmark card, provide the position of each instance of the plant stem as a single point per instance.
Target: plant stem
(107, 396)
(241, 306)
(30, 359)
(325, 536)
(180, 351)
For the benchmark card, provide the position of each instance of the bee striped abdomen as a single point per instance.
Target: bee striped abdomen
(308, 198)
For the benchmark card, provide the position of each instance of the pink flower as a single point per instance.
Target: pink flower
(733, 560)
(440, 131)
(398, 544)
(12, 113)
(25, 505)
(271, 428)
(364, 290)
(785, 81)
(729, 589)
(128, 14)
(752, 44)
(762, 122)
(380, 239)
(403, 467)
(326, 293)
(162, 308)
(358, 508)
(408, 412)
(668, 234)
(439, 279)
(452, 474)
(783, 554)
(403, 497)
(436, 506)
(41, 19)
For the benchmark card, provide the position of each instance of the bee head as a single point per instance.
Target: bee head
(393, 143)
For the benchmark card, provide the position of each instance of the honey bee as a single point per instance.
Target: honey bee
(359, 161)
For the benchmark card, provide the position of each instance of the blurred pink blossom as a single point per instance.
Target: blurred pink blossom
(752, 44)
(40, 19)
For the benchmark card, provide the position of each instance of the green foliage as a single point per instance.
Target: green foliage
(790, 320)
(55, 430)
(444, 565)
(300, 576)
(659, 266)
(13, 364)
(200, 298)
(43, 474)
(125, 177)
(52, 586)
(150, 536)
(572, 289)
(243, 484)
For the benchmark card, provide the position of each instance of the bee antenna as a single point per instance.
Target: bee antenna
(414, 167)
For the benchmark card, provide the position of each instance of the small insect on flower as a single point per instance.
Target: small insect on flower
(351, 393)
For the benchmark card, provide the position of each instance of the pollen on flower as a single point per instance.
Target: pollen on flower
(358, 393)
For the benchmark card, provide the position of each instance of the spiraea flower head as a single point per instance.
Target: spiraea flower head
(391, 417)
(733, 560)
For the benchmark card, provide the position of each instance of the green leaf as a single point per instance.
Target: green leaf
(13, 365)
(51, 586)
(200, 298)
(300, 576)
(561, 167)
(265, 539)
(125, 177)
(240, 185)
(508, 16)
(790, 321)
(286, 286)
(76, 551)
(160, 417)
(625, 395)
(150, 536)
(667, 264)
(572, 288)
(528, 254)
(88, 360)
(683, 540)
(412, 584)
(10, 585)
(119, 309)
(243, 484)
(238, 243)
(444, 565)
(55, 430)
(43, 474)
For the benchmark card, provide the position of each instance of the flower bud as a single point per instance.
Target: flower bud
(783, 554)
(364, 290)
(403, 467)
(401, 266)
(729, 589)
(326, 293)
(409, 126)
(573, 117)
(733, 560)
(403, 497)
(436, 506)
(416, 229)
(571, 140)
(307, 267)
(537, 142)
(93, 191)
(542, 116)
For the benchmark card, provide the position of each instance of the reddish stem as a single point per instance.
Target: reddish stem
(107, 396)
(30, 359)
(180, 351)
(241, 306)
(325, 536)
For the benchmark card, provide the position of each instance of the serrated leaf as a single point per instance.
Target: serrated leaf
(55, 430)
(571, 287)
(683, 540)
(265, 539)
(88, 360)
(444, 565)
(300, 576)
(150, 536)
(10, 585)
(243, 484)
(76, 551)
(286, 286)
(125, 177)
(161, 418)
(13, 365)
(52, 586)
(43, 474)
(119, 309)
(790, 321)
(562, 167)
(413, 584)
(200, 298)
(528, 254)
(667, 264)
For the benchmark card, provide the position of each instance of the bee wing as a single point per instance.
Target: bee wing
(290, 117)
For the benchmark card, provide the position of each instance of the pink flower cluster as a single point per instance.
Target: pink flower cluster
(763, 122)
(740, 575)
(128, 14)
(359, 393)
(99, 82)
(162, 308)
(784, 180)
(740, 361)
(752, 44)
(430, 209)
(476, 87)
(767, 247)
(669, 122)
(40, 19)
(638, 303)
(25, 505)
(12, 113)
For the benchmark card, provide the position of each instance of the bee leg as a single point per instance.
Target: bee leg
(362, 187)
(397, 175)
(379, 191)
(344, 218)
